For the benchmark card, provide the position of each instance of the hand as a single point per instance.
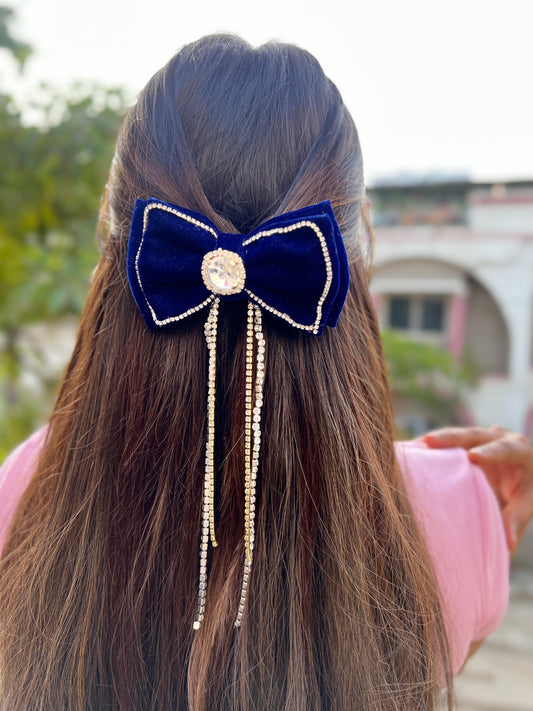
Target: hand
(506, 459)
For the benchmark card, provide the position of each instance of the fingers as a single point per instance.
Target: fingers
(506, 459)
(511, 533)
(509, 448)
(516, 516)
(466, 437)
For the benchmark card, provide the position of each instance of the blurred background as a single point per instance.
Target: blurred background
(441, 94)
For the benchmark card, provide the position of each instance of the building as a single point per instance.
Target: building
(454, 266)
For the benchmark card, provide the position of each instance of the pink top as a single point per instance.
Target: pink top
(461, 519)
(456, 509)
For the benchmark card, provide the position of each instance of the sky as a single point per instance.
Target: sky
(434, 86)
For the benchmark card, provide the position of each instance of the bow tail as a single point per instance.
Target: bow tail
(252, 446)
(252, 441)
(208, 505)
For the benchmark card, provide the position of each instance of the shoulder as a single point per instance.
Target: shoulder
(15, 475)
(459, 514)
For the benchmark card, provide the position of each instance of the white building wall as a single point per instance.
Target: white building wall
(503, 263)
(501, 218)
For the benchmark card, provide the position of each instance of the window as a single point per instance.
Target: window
(417, 313)
(432, 314)
(399, 312)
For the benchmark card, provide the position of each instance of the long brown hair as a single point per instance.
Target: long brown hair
(99, 575)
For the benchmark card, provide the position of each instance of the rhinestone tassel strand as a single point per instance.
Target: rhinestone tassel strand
(252, 442)
(252, 445)
(208, 506)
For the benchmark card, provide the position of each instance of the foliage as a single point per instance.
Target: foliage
(427, 376)
(20, 51)
(53, 176)
(54, 168)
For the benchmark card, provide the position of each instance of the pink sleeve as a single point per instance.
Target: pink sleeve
(461, 519)
(15, 475)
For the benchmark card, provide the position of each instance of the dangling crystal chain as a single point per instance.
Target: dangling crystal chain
(248, 426)
(211, 338)
(208, 506)
(252, 445)
(252, 429)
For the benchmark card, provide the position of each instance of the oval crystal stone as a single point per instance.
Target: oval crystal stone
(223, 272)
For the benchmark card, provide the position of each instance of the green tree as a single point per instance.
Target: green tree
(52, 180)
(427, 376)
(53, 172)
(20, 51)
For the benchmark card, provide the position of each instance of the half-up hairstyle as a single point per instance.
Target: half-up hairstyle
(99, 575)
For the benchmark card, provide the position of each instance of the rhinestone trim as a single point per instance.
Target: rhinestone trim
(208, 503)
(314, 327)
(196, 223)
(252, 431)
(178, 213)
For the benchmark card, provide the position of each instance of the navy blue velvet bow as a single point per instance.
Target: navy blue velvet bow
(294, 265)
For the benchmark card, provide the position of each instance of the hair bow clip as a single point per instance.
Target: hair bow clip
(293, 266)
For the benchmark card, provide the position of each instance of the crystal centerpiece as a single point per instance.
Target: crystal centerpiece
(223, 272)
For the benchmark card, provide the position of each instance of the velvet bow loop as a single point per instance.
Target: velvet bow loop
(293, 266)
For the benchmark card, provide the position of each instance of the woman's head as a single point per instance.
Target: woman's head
(240, 134)
(342, 611)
